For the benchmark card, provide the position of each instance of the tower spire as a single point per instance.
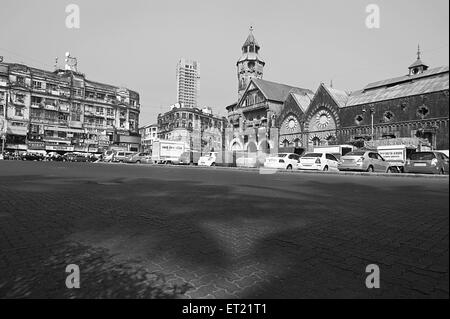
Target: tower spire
(418, 52)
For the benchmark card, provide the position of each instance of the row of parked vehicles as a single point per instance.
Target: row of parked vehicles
(51, 156)
(365, 160)
(429, 162)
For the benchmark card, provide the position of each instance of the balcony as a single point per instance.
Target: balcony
(20, 84)
(64, 108)
(254, 107)
(51, 107)
(89, 113)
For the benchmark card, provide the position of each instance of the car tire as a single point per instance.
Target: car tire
(326, 169)
(289, 168)
(138, 162)
(370, 169)
(213, 164)
(390, 170)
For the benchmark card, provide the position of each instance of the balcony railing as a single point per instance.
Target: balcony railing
(256, 106)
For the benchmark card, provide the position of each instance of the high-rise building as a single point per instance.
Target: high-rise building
(188, 82)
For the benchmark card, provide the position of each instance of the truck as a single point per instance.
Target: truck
(397, 151)
(340, 150)
(396, 155)
(168, 152)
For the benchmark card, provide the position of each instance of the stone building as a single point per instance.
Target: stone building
(408, 109)
(63, 111)
(412, 108)
(270, 117)
(199, 129)
(253, 122)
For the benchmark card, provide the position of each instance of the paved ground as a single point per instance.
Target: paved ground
(202, 233)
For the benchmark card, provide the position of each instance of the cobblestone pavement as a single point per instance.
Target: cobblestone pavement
(155, 232)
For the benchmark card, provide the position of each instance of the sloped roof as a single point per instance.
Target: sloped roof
(339, 96)
(430, 72)
(250, 40)
(416, 86)
(417, 63)
(278, 92)
(251, 56)
(303, 100)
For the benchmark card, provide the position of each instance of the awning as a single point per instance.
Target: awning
(63, 129)
(17, 130)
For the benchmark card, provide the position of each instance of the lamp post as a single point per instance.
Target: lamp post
(372, 112)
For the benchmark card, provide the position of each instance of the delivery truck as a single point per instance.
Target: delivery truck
(168, 152)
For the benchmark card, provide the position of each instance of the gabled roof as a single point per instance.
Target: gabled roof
(277, 92)
(339, 96)
(303, 100)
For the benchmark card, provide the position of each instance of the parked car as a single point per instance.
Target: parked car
(139, 158)
(108, 156)
(209, 159)
(54, 157)
(318, 162)
(366, 161)
(121, 156)
(29, 156)
(287, 161)
(427, 163)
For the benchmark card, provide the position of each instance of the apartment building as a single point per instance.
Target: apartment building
(63, 111)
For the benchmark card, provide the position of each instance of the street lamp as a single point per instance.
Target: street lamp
(372, 112)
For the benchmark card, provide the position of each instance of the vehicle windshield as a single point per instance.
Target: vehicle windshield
(426, 156)
(313, 155)
(357, 153)
(282, 155)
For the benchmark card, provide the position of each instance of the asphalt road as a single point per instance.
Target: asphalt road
(170, 232)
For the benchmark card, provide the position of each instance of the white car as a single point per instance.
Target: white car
(319, 162)
(286, 161)
(208, 159)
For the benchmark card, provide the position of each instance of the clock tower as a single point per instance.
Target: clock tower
(250, 65)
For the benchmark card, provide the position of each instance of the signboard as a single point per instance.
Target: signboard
(60, 148)
(392, 153)
(36, 145)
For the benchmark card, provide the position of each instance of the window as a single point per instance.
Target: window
(373, 156)
(37, 84)
(20, 98)
(62, 134)
(18, 111)
(331, 158)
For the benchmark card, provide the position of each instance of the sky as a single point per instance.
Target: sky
(137, 43)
